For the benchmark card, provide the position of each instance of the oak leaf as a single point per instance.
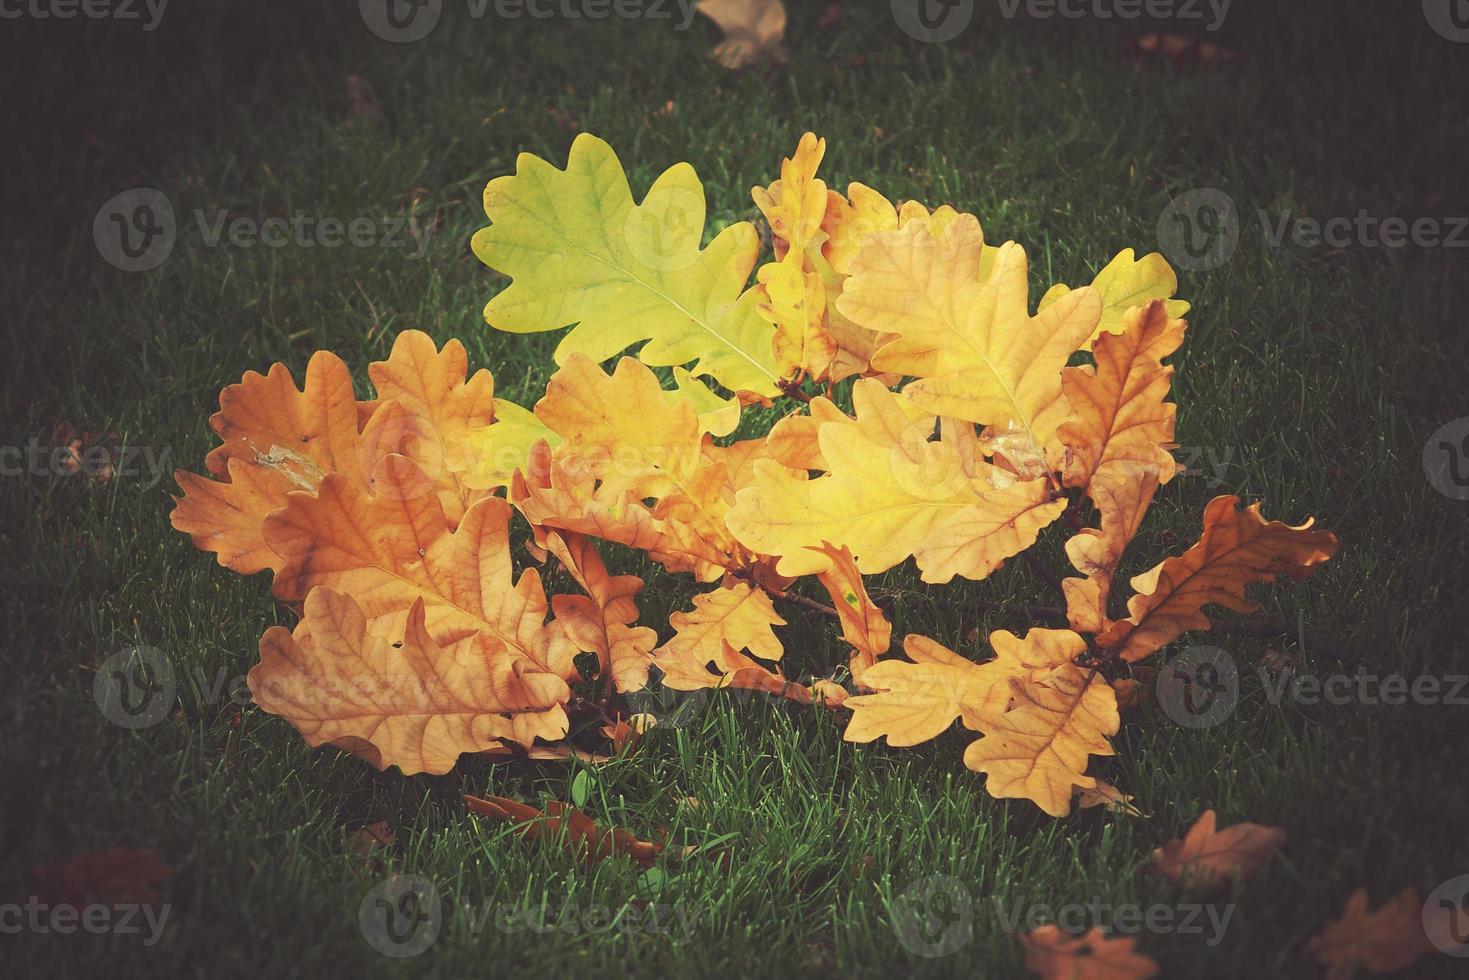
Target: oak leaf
(890, 493)
(417, 703)
(1385, 940)
(1117, 448)
(1205, 858)
(579, 250)
(393, 549)
(864, 626)
(118, 875)
(969, 339)
(601, 621)
(1124, 283)
(1237, 547)
(752, 29)
(1055, 955)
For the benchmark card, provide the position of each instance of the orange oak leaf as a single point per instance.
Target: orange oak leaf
(1237, 547)
(864, 626)
(392, 549)
(1117, 448)
(624, 441)
(1056, 955)
(276, 438)
(114, 876)
(601, 621)
(438, 408)
(1385, 940)
(417, 704)
(569, 827)
(1205, 859)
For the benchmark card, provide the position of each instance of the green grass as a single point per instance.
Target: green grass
(1322, 372)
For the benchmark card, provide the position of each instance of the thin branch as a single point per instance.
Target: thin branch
(801, 600)
(1043, 571)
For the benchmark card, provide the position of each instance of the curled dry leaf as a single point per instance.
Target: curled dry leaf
(568, 826)
(1055, 955)
(1205, 859)
(753, 29)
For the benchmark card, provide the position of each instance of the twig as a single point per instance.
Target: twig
(1043, 571)
(1283, 627)
(792, 389)
(801, 600)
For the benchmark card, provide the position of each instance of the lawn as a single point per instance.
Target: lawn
(1312, 377)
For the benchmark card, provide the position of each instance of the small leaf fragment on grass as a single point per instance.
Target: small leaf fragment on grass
(1205, 858)
(1383, 941)
(1055, 955)
(576, 831)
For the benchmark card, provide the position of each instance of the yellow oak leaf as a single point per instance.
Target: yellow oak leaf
(1055, 955)
(1237, 547)
(890, 493)
(1386, 940)
(752, 30)
(495, 452)
(1122, 500)
(1124, 283)
(601, 621)
(917, 701)
(417, 704)
(737, 615)
(1205, 859)
(391, 549)
(968, 338)
(579, 250)
(795, 205)
(1037, 747)
(795, 293)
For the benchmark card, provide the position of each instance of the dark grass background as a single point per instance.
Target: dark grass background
(1317, 373)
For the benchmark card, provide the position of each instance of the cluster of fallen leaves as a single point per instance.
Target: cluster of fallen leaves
(975, 427)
